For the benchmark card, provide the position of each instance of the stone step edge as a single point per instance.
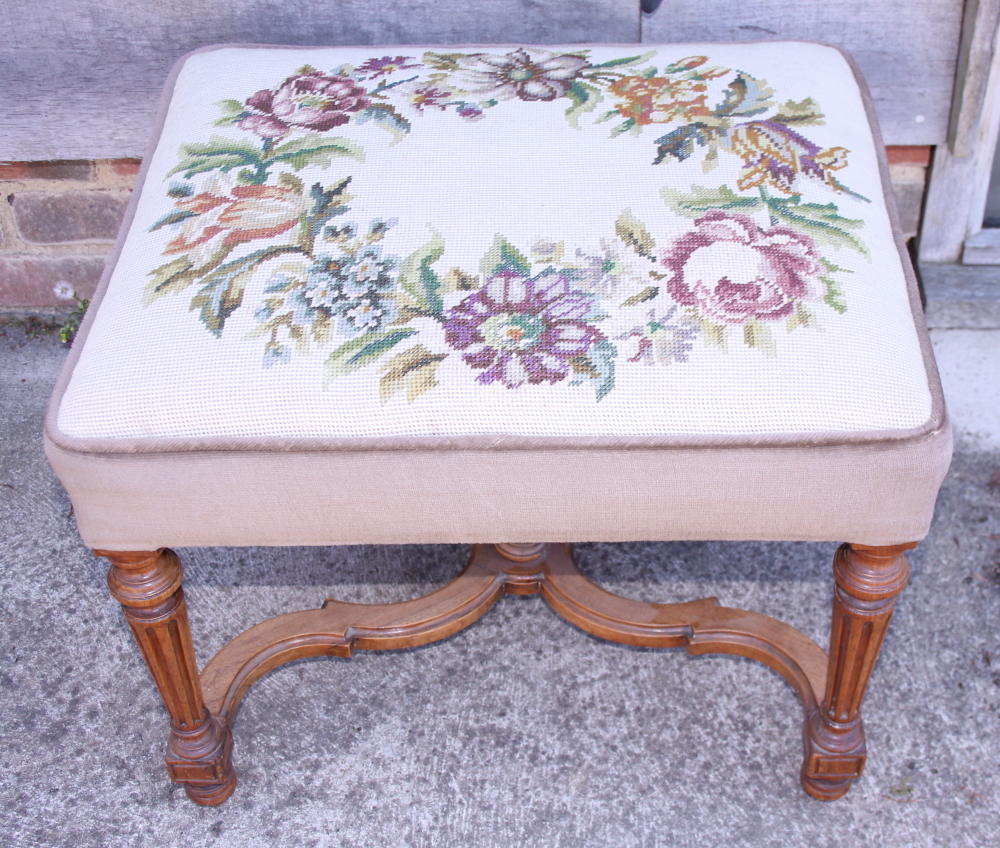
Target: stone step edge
(961, 297)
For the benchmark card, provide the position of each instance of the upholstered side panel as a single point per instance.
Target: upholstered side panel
(874, 494)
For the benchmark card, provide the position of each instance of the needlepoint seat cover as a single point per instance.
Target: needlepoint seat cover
(486, 294)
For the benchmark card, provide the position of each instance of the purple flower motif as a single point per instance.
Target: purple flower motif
(310, 100)
(386, 65)
(774, 154)
(520, 330)
(733, 271)
(429, 97)
(470, 114)
(527, 73)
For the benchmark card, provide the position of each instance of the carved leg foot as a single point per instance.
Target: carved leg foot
(148, 586)
(868, 580)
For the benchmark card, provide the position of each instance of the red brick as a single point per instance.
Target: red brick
(909, 155)
(53, 217)
(57, 169)
(125, 167)
(29, 280)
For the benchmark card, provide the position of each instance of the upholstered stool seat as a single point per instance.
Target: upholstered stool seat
(506, 295)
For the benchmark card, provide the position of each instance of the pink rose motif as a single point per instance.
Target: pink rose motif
(311, 101)
(733, 271)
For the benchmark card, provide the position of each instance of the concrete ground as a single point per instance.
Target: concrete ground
(520, 730)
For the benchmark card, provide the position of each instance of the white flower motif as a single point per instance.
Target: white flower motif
(526, 73)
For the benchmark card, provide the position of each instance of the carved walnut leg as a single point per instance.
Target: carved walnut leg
(148, 586)
(868, 580)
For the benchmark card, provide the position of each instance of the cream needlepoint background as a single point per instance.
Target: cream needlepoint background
(636, 240)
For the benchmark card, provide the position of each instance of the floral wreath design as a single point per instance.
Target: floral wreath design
(751, 260)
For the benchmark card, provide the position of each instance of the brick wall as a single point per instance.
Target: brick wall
(58, 221)
(57, 224)
(908, 172)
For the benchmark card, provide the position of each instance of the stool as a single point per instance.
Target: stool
(506, 296)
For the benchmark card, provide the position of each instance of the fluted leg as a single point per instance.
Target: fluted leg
(868, 579)
(148, 586)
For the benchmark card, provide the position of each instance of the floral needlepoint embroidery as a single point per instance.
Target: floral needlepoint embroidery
(753, 254)
(733, 271)
(525, 73)
(775, 155)
(310, 100)
(523, 330)
(386, 65)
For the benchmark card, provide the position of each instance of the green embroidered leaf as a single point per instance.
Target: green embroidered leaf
(801, 317)
(222, 289)
(602, 356)
(503, 256)
(631, 231)
(839, 186)
(585, 99)
(417, 278)
(597, 366)
(290, 182)
(758, 335)
(231, 111)
(387, 118)
(689, 63)
(702, 199)
(804, 113)
(174, 276)
(443, 61)
(821, 221)
(647, 293)
(314, 149)
(617, 63)
(714, 334)
(834, 296)
(680, 143)
(361, 351)
(829, 266)
(217, 154)
(412, 370)
(745, 96)
(231, 107)
(174, 217)
(623, 127)
(221, 296)
(327, 204)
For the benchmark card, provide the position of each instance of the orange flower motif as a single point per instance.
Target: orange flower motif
(659, 100)
(220, 221)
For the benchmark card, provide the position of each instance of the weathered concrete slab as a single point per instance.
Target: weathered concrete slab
(518, 731)
(962, 297)
(969, 362)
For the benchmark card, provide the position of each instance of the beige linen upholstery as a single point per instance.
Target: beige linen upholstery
(818, 417)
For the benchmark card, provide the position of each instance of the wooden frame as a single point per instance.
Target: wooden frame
(202, 708)
(952, 228)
